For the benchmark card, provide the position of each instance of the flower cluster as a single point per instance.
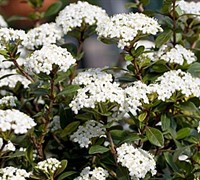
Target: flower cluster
(176, 80)
(12, 78)
(9, 35)
(92, 75)
(49, 165)
(43, 60)
(85, 133)
(98, 173)
(96, 92)
(8, 101)
(7, 147)
(15, 120)
(55, 124)
(138, 161)
(42, 35)
(13, 173)
(79, 14)
(177, 55)
(190, 8)
(126, 27)
(3, 23)
(136, 95)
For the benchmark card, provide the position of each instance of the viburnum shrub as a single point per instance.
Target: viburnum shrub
(139, 120)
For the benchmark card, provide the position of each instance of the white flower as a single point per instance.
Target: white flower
(7, 147)
(96, 92)
(15, 120)
(183, 157)
(177, 55)
(45, 34)
(98, 173)
(190, 8)
(49, 165)
(126, 27)
(136, 95)
(138, 161)
(9, 101)
(12, 173)
(79, 14)
(9, 35)
(91, 75)
(12, 78)
(176, 80)
(44, 59)
(85, 133)
(198, 128)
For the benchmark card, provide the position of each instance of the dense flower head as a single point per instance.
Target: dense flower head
(49, 166)
(43, 60)
(138, 161)
(79, 14)
(15, 120)
(136, 95)
(44, 34)
(91, 75)
(176, 80)
(3, 23)
(190, 8)
(98, 173)
(96, 92)
(12, 78)
(126, 27)
(86, 132)
(13, 173)
(8, 101)
(9, 35)
(177, 55)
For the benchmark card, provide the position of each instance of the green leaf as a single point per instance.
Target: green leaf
(163, 38)
(189, 109)
(142, 116)
(122, 173)
(97, 149)
(53, 9)
(139, 51)
(62, 168)
(69, 129)
(29, 153)
(145, 2)
(16, 18)
(71, 47)
(130, 138)
(194, 69)
(167, 4)
(66, 174)
(130, 5)
(155, 136)
(85, 116)
(165, 122)
(196, 157)
(182, 133)
(4, 52)
(40, 91)
(69, 89)
(128, 57)
(160, 66)
(169, 160)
